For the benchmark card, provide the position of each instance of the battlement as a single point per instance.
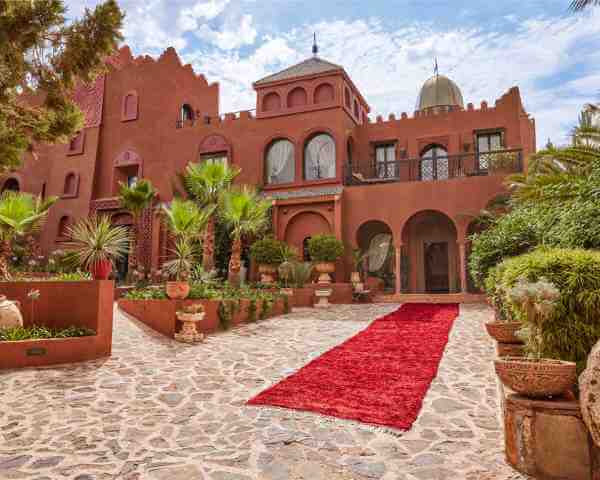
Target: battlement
(241, 116)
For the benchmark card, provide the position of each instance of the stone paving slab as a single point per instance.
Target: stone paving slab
(161, 410)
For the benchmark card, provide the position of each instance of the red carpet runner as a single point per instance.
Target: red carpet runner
(379, 376)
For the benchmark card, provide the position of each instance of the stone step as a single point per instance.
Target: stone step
(430, 298)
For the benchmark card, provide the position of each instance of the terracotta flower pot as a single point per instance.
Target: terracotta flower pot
(101, 269)
(510, 349)
(504, 332)
(267, 272)
(178, 290)
(324, 269)
(536, 378)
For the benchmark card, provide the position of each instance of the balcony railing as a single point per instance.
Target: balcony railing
(435, 168)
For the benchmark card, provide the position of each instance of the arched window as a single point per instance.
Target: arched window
(356, 113)
(63, 226)
(305, 252)
(11, 185)
(70, 187)
(319, 157)
(324, 93)
(76, 143)
(280, 165)
(434, 163)
(347, 97)
(297, 97)
(186, 113)
(130, 107)
(271, 102)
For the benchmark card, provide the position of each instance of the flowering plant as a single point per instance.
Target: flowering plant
(537, 301)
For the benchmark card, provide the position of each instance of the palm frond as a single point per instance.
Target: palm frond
(578, 5)
(136, 198)
(22, 213)
(206, 181)
(245, 211)
(185, 219)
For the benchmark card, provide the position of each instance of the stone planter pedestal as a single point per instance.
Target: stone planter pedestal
(323, 292)
(189, 333)
(548, 440)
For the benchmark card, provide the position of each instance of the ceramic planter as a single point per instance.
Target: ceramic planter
(178, 290)
(504, 332)
(324, 269)
(101, 269)
(189, 333)
(536, 378)
(267, 272)
(10, 314)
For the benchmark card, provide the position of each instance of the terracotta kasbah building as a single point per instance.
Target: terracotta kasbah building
(407, 187)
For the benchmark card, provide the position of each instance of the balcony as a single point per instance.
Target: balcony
(500, 162)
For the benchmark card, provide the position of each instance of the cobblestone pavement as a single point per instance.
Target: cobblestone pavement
(162, 410)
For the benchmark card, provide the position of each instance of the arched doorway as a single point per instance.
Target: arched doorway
(11, 185)
(304, 225)
(375, 240)
(433, 259)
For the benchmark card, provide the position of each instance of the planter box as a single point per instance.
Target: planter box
(61, 304)
(341, 293)
(303, 297)
(160, 315)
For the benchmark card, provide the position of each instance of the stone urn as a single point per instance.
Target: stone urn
(324, 269)
(190, 316)
(534, 378)
(267, 273)
(178, 290)
(589, 388)
(10, 313)
(322, 293)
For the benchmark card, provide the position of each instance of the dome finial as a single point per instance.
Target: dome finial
(436, 70)
(315, 48)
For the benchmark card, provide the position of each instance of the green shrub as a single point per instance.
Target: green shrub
(267, 251)
(148, 293)
(37, 332)
(574, 327)
(325, 248)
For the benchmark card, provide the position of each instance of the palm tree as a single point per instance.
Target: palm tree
(20, 213)
(578, 5)
(135, 199)
(246, 213)
(206, 182)
(185, 219)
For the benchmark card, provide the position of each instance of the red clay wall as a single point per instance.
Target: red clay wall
(62, 304)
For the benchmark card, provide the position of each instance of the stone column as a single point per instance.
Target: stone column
(462, 251)
(399, 269)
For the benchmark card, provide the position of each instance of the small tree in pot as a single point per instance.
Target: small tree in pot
(535, 376)
(325, 250)
(268, 254)
(96, 244)
(179, 268)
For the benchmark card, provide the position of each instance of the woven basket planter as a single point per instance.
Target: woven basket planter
(504, 332)
(536, 378)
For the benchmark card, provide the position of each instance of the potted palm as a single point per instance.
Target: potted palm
(96, 244)
(246, 213)
(20, 214)
(206, 183)
(185, 220)
(135, 199)
(178, 269)
(325, 250)
(268, 254)
(535, 376)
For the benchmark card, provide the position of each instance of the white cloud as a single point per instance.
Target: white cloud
(189, 17)
(234, 35)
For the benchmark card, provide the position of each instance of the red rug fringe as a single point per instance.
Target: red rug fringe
(380, 376)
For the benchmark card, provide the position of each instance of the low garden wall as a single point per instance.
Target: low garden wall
(341, 293)
(161, 315)
(60, 305)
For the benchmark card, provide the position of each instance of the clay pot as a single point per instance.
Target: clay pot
(287, 291)
(178, 290)
(536, 378)
(324, 269)
(504, 332)
(266, 272)
(101, 269)
(10, 315)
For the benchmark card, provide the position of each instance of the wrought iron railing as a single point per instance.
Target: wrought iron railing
(435, 168)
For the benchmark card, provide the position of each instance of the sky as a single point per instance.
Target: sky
(388, 47)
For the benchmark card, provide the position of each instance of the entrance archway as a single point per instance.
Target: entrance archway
(430, 239)
(304, 225)
(375, 240)
(11, 185)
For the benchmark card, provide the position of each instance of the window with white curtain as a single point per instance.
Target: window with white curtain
(220, 157)
(486, 143)
(385, 156)
(319, 157)
(280, 162)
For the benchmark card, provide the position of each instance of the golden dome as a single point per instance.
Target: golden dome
(439, 93)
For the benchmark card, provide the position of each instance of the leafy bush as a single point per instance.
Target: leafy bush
(325, 248)
(574, 327)
(297, 274)
(148, 293)
(36, 332)
(203, 291)
(267, 251)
